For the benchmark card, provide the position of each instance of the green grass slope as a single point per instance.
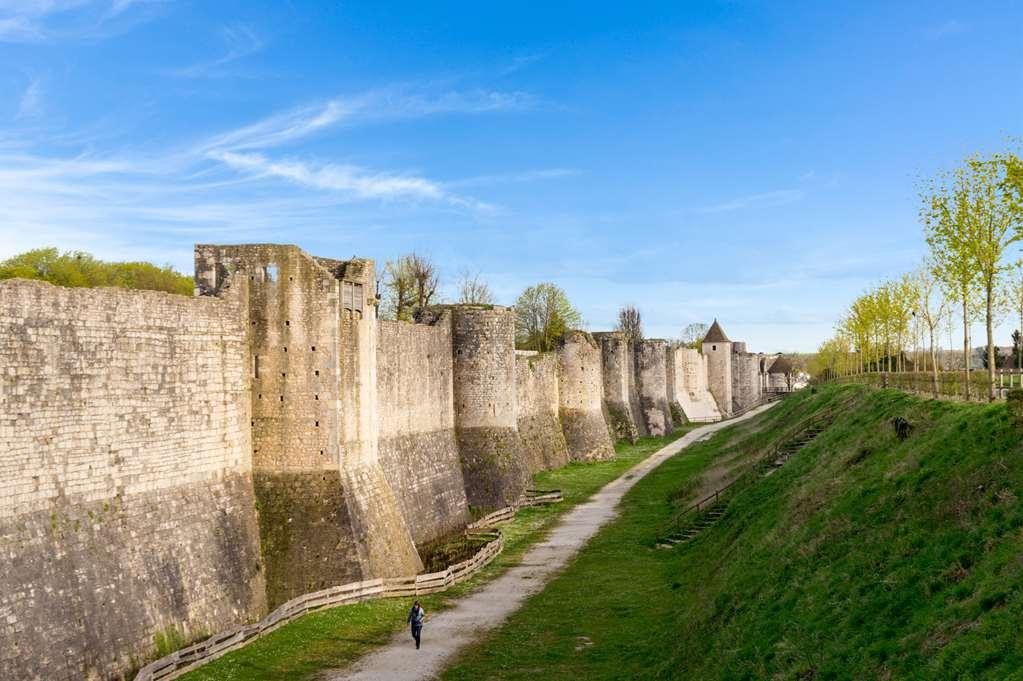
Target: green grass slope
(863, 557)
(334, 638)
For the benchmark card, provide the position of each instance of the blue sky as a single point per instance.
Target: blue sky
(756, 162)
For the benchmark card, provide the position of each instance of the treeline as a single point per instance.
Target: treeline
(411, 284)
(971, 217)
(81, 269)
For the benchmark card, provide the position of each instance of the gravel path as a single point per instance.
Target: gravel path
(448, 631)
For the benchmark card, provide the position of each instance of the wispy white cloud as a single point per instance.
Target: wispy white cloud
(521, 62)
(351, 180)
(240, 41)
(31, 103)
(45, 20)
(764, 200)
(370, 107)
(513, 177)
(943, 29)
(229, 182)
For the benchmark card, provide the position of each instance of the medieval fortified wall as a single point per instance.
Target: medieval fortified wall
(172, 467)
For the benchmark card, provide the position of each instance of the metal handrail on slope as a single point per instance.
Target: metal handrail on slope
(801, 427)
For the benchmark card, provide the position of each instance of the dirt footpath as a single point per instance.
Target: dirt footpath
(448, 631)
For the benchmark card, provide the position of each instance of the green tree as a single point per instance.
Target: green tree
(80, 269)
(930, 308)
(543, 314)
(972, 221)
(410, 286)
(949, 223)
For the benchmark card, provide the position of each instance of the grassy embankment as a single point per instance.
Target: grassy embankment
(334, 638)
(863, 557)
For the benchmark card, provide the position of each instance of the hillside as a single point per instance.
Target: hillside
(864, 556)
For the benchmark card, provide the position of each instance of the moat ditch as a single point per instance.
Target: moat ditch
(439, 554)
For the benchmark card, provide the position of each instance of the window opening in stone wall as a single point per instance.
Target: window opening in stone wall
(317, 424)
(270, 273)
(317, 372)
(285, 348)
(255, 366)
(714, 348)
(287, 322)
(314, 348)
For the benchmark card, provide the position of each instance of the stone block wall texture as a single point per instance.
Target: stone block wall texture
(621, 401)
(581, 382)
(691, 390)
(126, 504)
(327, 514)
(678, 416)
(486, 423)
(719, 374)
(652, 375)
(746, 389)
(418, 447)
(538, 402)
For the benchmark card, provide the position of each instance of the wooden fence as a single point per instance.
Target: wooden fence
(198, 654)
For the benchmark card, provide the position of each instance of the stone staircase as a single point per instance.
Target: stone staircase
(704, 513)
(786, 451)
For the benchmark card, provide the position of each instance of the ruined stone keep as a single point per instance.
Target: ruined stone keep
(171, 467)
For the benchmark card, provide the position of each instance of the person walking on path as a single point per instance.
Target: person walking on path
(415, 617)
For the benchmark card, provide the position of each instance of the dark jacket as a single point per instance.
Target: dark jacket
(416, 615)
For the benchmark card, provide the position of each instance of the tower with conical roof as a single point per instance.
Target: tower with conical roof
(718, 351)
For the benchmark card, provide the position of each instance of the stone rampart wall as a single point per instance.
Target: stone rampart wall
(621, 401)
(486, 422)
(746, 382)
(174, 466)
(580, 391)
(652, 375)
(691, 386)
(538, 402)
(126, 503)
(418, 447)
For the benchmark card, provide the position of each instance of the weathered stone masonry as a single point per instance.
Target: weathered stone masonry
(126, 497)
(493, 464)
(327, 513)
(538, 405)
(580, 390)
(418, 446)
(171, 467)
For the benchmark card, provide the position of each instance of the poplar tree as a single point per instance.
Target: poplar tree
(931, 308)
(949, 225)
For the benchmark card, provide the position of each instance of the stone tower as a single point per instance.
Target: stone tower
(621, 401)
(718, 351)
(327, 514)
(581, 391)
(652, 377)
(486, 425)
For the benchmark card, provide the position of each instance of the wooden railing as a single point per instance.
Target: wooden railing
(198, 654)
(949, 384)
(822, 417)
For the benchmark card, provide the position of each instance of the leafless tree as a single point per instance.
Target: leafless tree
(425, 282)
(630, 322)
(472, 290)
(693, 333)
